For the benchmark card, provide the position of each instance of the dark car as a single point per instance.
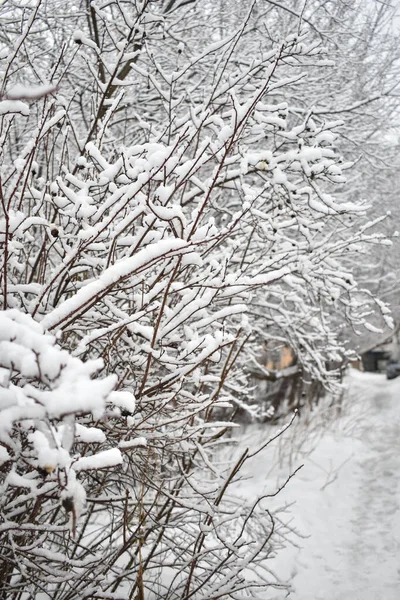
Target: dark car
(392, 369)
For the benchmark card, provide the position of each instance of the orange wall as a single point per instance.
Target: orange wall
(285, 359)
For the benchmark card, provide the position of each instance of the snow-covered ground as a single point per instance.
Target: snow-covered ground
(344, 503)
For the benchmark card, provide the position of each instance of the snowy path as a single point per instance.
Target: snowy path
(373, 555)
(353, 552)
(347, 503)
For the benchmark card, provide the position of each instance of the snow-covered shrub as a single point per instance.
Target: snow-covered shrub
(165, 208)
(47, 400)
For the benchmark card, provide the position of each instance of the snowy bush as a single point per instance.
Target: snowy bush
(165, 208)
(44, 392)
